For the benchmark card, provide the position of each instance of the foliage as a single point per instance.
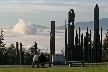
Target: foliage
(105, 41)
(105, 47)
(8, 57)
(8, 54)
(2, 45)
(2, 48)
(104, 56)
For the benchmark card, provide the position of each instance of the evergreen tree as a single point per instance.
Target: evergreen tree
(2, 47)
(105, 41)
(11, 51)
(105, 47)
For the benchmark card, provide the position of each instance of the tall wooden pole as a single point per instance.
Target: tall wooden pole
(65, 41)
(96, 33)
(52, 40)
(21, 53)
(17, 53)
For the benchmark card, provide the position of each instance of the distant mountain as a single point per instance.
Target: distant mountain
(40, 27)
(83, 25)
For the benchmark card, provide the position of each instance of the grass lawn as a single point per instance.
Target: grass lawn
(57, 69)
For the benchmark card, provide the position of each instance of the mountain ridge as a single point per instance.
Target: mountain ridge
(83, 25)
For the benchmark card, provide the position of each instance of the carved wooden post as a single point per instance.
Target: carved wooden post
(71, 16)
(101, 47)
(90, 47)
(76, 46)
(35, 48)
(96, 33)
(82, 50)
(66, 42)
(79, 47)
(17, 53)
(86, 46)
(21, 53)
(52, 39)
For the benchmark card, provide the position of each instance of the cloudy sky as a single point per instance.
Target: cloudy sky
(27, 34)
(17, 14)
(41, 12)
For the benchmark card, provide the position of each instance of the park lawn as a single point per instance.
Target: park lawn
(56, 69)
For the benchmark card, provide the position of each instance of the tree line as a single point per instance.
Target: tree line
(8, 54)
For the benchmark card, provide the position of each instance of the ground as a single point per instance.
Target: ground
(27, 68)
(57, 69)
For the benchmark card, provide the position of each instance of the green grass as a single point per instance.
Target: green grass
(56, 69)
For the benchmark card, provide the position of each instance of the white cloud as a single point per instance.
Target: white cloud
(23, 28)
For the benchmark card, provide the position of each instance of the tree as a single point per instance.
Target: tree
(105, 47)
(105, 41)
(2, 47)
(11, 51)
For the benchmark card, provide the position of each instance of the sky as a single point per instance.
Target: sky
(27, 34)
(42, 12)
(40, 36)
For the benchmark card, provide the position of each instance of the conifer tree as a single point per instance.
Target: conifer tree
(2, 45)
(105, 41)
(105, 47)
